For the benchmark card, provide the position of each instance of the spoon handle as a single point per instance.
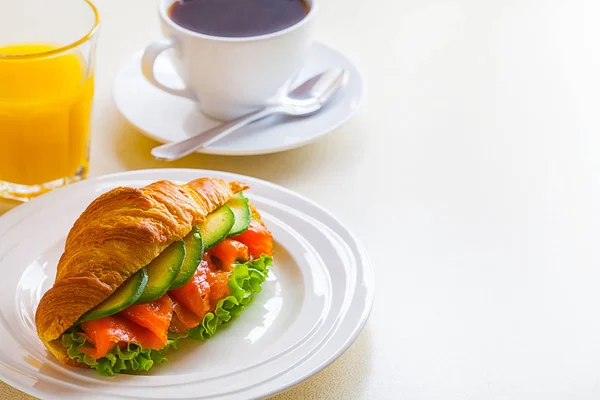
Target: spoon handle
(176, 150)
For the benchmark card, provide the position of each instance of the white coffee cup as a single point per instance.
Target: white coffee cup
(231, 76)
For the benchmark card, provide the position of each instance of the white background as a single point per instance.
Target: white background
(472, 174)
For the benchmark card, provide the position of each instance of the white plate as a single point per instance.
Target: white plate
(166, 118)
(313, 306)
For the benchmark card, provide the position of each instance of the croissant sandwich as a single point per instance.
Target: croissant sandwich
(145, 268)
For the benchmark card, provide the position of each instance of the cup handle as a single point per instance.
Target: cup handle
(148, 60)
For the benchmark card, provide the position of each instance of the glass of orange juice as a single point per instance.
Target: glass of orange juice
(47, 52)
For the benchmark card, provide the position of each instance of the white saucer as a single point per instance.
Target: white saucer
(168, 118)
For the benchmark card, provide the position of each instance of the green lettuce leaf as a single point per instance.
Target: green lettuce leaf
(243, 283)
(128, 359)
(245, 280)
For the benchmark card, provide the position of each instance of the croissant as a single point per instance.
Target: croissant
(118, 234)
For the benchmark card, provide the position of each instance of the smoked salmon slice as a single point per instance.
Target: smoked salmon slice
(184, 317)
(177, 326)
(194, 295)
(219, 287)
(258, 239)
(155, 316)
(229, 251)
(107, 332)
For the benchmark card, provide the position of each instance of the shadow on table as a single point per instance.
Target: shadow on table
(343, 379)
(133, 151)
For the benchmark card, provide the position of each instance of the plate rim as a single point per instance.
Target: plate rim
(277, 149)
(367, 277)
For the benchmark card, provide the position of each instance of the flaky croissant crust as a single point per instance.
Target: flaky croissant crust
(118, 234)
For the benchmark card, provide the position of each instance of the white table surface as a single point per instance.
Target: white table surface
(472, 174)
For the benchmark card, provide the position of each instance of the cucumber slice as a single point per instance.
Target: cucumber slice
(162, 271)
(194, 248)
(241, 210)
(125, 295)
(217, 226)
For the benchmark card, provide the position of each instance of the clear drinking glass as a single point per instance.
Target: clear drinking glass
(46, 87)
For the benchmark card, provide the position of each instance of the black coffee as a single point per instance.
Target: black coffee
(237, 18)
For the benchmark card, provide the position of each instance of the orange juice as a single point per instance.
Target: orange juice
(45, 105)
